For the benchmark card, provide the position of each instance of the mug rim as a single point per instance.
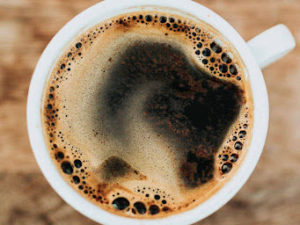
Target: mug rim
(83, 21)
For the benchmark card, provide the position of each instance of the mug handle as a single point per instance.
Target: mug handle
(272, 45)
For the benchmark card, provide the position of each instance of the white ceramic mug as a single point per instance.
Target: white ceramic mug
(256, 54)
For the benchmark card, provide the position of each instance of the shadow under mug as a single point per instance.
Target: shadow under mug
(256, 54)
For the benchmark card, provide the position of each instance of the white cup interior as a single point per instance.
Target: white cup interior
(94, 15)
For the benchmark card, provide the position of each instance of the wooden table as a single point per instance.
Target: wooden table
(271, 196)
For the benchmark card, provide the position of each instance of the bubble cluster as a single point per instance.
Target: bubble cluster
(213, 55)
(69, 159)
(234, 146)
(152, 201)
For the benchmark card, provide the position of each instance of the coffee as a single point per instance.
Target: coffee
(148, 114)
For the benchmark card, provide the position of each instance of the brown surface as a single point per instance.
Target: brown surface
(271, 196)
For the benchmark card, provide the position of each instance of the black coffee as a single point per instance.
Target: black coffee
(148, 115)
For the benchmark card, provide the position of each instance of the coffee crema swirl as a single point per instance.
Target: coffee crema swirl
(148, 114)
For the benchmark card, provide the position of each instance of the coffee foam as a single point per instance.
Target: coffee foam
(122, 163)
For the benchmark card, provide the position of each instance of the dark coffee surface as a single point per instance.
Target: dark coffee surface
(186, 104)
(148, 114)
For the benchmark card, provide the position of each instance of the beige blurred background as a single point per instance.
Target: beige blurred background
(270, 197)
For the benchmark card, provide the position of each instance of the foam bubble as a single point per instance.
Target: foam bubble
(78, 45)
(226, 167)
(140, 207)
(120, 203)
(60, 155)
(206, 52)
(67, 167)
(238, 145)
(154, 209)
(77, 163)
(242, 134)
(216, 47)
(234, 157)
(76, 179)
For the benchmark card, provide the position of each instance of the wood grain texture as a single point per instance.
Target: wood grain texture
(272, 194)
